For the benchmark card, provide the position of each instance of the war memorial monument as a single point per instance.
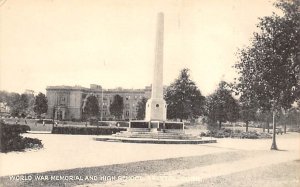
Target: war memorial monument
(155, 128)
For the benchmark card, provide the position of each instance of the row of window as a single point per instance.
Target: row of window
(105, 98)
(62, 99)
(127, 105)
(126, 114)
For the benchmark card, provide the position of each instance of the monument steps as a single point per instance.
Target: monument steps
(155, 135)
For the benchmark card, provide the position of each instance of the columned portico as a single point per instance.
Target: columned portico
(59, 113)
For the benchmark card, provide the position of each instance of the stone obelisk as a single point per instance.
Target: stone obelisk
(156, 105)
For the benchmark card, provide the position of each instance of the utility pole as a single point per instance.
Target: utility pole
(101, 113)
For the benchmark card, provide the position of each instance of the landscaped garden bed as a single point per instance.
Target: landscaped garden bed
(11, 139)
(101, 130)
(228, 133)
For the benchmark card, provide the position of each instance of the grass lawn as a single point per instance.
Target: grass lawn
(277, 175)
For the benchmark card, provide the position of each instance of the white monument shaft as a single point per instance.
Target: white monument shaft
(157, 85)
(156, 105)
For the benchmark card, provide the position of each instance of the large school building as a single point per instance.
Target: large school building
(66, 102)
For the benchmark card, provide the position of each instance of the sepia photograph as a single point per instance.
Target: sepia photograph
(150, 93)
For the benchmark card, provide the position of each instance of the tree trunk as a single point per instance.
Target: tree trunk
(268, 127)
(284, 128)
(274, 146)
(220, 125)
(53, 116)
(264, 127)
(247, 122)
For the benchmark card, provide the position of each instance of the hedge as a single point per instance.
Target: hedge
(225, 133)
(11, 140)
(87, 130)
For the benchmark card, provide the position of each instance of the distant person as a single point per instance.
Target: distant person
(43, 122)
(25, 122)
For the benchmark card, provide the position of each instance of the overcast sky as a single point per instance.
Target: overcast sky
(111, 42)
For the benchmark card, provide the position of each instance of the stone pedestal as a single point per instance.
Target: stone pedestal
(156, 110)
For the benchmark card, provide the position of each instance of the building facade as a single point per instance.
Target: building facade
(4, 109)
(66, 102)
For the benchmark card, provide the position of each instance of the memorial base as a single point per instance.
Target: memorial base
(156, 130)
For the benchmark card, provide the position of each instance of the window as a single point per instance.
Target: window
(62, 100)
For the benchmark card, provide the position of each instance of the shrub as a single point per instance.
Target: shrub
(249, 135)
(225, 133)
(295, 129)
(123, 124)
(76, 120)
(102, 123)
(87, 130)
(11, 140)
(264, 135)
(202, 134)
(32, 143)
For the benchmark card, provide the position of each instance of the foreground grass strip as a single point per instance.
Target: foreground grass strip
(100, 174)
(283, 174)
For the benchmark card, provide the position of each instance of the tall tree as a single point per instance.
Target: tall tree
(23, 104)
(4, 96)
(289, 117)
(248, 109)
(264, 117)
(117, 106)
(13, 103)
(18, 104)
(31, 102)
(183, 98)
(40, 104)
(91, 107)
(221, 106)
(141, 108)
(269, 67)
